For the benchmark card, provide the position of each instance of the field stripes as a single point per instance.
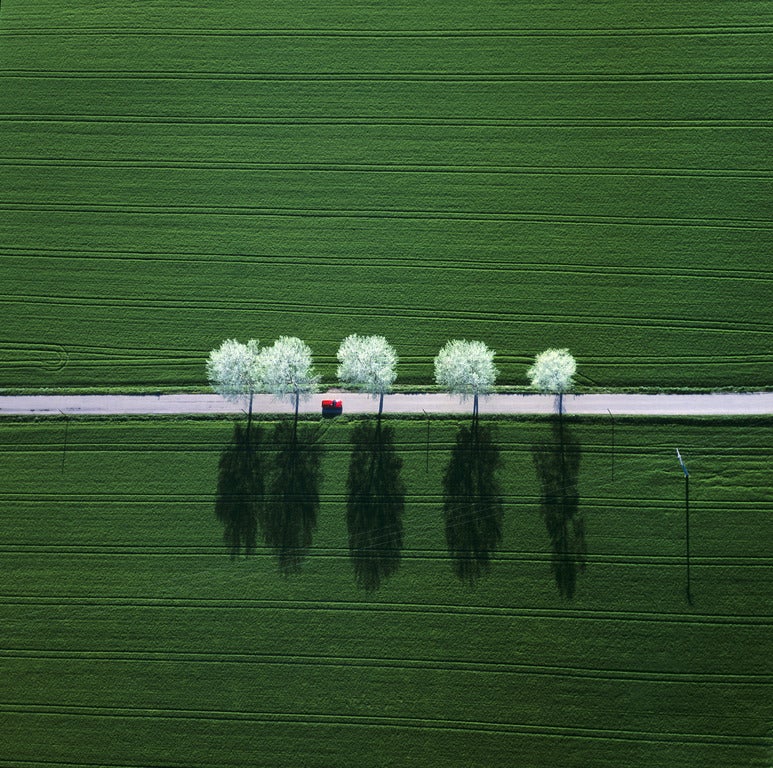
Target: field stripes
(449, 610)
(535, 175)
(125, 586)
(664, 505)
(77, 446)
(292, 32)
(434, 77)
(108, 551)
(462, 264)
(385, 213)
(741, 326)
(443, 665)
(530, 170)
(70, 764)
(660, 506)
(301, 120)
(310, 718)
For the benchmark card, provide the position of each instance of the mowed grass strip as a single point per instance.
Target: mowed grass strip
(127, 625)
(533, 177)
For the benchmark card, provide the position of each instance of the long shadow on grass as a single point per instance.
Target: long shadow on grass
(288, 516)
(557, 461)
(240, 490)
(374, 505)
(472, 501)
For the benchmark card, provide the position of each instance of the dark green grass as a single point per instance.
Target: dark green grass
(130, 637)
(533, 176)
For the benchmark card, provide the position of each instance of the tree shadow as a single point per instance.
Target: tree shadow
(557, 461)
(472, 501)
(374, 505)
(240, 491)
(288, 516)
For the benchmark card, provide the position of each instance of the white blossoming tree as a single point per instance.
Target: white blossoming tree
(368, 363)
(466, 368)
(553, 372)
(287, 369)
(235, 372)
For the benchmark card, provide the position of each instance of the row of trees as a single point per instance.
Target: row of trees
(368, 364)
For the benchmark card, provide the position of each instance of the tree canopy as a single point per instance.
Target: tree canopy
(552, 371)
(287, 369)
(466, 368)
(234, 370)
(367, 363)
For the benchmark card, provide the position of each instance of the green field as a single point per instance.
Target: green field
(130, 637)
(532, 174)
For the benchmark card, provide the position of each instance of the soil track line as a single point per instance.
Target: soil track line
(715, 404)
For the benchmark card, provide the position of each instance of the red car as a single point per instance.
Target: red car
(332, 407)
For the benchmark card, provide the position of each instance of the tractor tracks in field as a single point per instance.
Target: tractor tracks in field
(549, 121)
(500, 728)
(401, 663)
(741, 326)
(108, 551)
(749, 174)
(213, 260)
(347, 32)
(422, 609)
(528, 217)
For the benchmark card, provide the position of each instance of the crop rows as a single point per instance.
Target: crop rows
(132, 637)
(532, 176)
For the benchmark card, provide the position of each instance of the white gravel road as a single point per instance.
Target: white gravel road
(758, 403)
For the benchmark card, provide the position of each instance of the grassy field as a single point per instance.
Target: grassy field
(534, 175)
(131, 637)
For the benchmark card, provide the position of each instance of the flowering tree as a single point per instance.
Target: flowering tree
(367, 363)
(552, 372)
(287, 369)
(466, 368)
(234, 371)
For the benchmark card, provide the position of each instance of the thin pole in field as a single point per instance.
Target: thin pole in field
(613, 442)
(686, 520)
(427, 415)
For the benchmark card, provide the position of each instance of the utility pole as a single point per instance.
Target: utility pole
(427, 415)
(686, 519)
(613, 442)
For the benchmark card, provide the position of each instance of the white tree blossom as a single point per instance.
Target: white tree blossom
(552, 372)
(287, 369)
(234, 370)
(466, 368)
(367, 363)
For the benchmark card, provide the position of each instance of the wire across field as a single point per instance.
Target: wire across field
(594, 178)
(132, 637)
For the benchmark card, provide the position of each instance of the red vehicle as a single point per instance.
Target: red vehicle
(332, 407)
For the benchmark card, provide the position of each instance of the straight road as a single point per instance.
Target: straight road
(717, 404)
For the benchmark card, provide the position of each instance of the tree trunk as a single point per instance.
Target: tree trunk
(295, 421)
(380, 406)
(249, 421)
